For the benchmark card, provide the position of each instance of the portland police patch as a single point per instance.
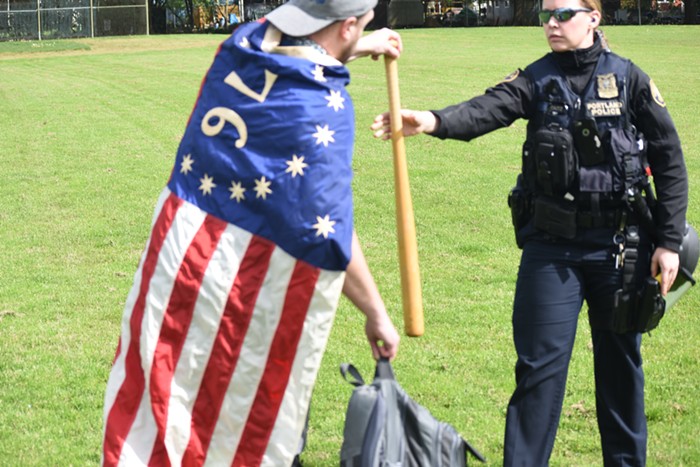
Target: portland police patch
(656, 94)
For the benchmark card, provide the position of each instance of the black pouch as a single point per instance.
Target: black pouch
(555, 160)
(588, 143)
(628, 161)
(555, 216)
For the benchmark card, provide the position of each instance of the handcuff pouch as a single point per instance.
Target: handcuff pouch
(555, 216)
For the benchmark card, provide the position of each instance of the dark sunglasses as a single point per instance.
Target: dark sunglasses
(561, 14)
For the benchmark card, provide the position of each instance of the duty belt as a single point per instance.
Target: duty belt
(591, 220)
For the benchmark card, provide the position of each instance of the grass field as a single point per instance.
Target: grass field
(88, 132)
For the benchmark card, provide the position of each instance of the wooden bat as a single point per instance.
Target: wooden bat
(405, 223)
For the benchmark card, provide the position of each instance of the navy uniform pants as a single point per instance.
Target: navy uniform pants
(554, 279)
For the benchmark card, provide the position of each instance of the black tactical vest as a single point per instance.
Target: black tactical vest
(582, 148)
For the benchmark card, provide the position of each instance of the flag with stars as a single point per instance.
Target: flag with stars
(232, 304)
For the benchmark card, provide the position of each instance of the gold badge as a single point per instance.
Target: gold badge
(511, 77)
(655, 94)
(607, 86)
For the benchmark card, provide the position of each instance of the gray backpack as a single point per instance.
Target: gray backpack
(385, 427)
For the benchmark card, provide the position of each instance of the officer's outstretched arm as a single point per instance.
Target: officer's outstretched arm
(414, 122)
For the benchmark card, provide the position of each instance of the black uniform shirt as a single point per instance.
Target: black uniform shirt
(513, 98)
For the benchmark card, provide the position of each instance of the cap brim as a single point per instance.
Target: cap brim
(295, 22)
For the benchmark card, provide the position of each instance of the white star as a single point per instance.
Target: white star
(324, 226)
(237, 191)
(262, 188)
(207, 184)
(335, 100)
(186, 165)
(244, 43)
(296, 166)
(318, 74)
(324, 135)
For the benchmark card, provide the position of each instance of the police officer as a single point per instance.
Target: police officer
(587, 220)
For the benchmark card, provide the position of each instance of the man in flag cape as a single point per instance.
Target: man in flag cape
(252, 244)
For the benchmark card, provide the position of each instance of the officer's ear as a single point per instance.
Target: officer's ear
(595, 19)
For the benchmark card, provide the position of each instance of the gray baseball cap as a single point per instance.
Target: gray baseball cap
(299, 18)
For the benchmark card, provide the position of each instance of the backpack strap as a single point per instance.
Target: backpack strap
(352, 375)
(349, 369)
(471, 450)
(384, 370)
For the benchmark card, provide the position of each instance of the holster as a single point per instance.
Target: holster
(520, 209)
(636, 307)
(638, 310)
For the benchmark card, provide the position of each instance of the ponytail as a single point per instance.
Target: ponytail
(603, 40)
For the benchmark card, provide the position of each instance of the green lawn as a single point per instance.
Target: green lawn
(88, 135)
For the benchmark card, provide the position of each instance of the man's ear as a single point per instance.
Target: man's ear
(347, 27)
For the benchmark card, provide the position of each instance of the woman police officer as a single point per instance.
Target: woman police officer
(597, 125)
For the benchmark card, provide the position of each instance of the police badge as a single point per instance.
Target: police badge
(607, 86)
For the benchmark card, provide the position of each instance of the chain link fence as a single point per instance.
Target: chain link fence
(57, 19)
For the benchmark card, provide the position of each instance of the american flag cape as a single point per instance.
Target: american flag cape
(234, 297)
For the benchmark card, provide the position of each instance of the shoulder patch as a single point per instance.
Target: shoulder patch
(656, 94)
(511, 77)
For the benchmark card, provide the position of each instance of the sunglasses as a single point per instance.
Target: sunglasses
(561, 14)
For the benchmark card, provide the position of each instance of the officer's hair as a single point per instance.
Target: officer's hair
(603, 40)
(593, 5)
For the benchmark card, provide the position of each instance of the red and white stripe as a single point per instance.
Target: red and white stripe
(222, 338)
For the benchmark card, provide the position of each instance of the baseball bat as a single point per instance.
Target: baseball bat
(406, 228)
